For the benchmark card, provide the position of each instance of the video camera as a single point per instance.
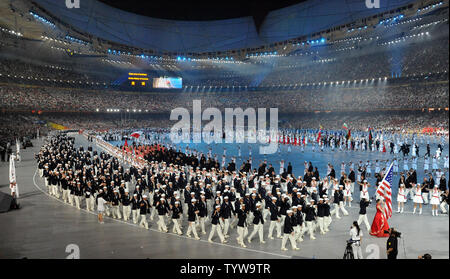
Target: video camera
(425, 257)
(394, 233)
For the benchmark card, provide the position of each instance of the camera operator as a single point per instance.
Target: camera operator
(356, 235)
(425, 257)
(392, 244)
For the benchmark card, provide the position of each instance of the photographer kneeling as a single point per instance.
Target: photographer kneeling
(392, 244)
(356, 234)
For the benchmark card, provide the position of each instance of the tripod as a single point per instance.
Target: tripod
(348, 254)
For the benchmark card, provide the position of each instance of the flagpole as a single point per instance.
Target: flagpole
(382, 192)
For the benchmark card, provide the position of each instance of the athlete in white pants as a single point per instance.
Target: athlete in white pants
(241, 234)
(55, 191)
(77, 195)
(192, 229)
(202, 224)
(327, 215)
(143, 222)
(321, 222)
(116, 207)
(192, 215)
(410, 192)
(425, 195)
(215, 225)
(342, 207)
(89, 202)
(288, 232)
(258, 224)
(65, 195)
(135, 208)
(226, 226)
(46, 180)
(176, 213)
(217, 228)
(310, 227)
(364, 203)
(161, 223)
(310, 216)
(143, 207)
(176, 227)
(135, 213)
(116, 212)
(336, 210)
(162, 211)
(126, 205)
(266, 210)
(299, 229)
(126, 210)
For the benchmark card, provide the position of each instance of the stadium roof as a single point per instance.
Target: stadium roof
(163, 35)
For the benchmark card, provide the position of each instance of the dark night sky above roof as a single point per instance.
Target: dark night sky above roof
(202, 10)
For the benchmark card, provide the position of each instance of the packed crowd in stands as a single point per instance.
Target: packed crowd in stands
(16, 67)
(392, 121)
(415, 59)
(277, 78)
(419, 95)
(107, 121)
(17, 127)
(398, 122)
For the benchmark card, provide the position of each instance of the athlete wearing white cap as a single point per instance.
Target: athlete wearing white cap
(289, 232)
(258, 224)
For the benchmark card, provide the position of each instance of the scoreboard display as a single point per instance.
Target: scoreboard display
(138, 79)
(142, 80)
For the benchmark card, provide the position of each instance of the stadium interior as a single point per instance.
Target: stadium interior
(98, 68)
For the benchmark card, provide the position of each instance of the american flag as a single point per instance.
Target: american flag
(384, 190)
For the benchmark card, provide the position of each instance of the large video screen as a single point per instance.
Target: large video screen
(167, 82)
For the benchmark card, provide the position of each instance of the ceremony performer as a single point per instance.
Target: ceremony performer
(418, 199)
(401, 198)
(380, 223)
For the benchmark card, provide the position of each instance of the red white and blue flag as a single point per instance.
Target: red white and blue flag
(384, 190)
